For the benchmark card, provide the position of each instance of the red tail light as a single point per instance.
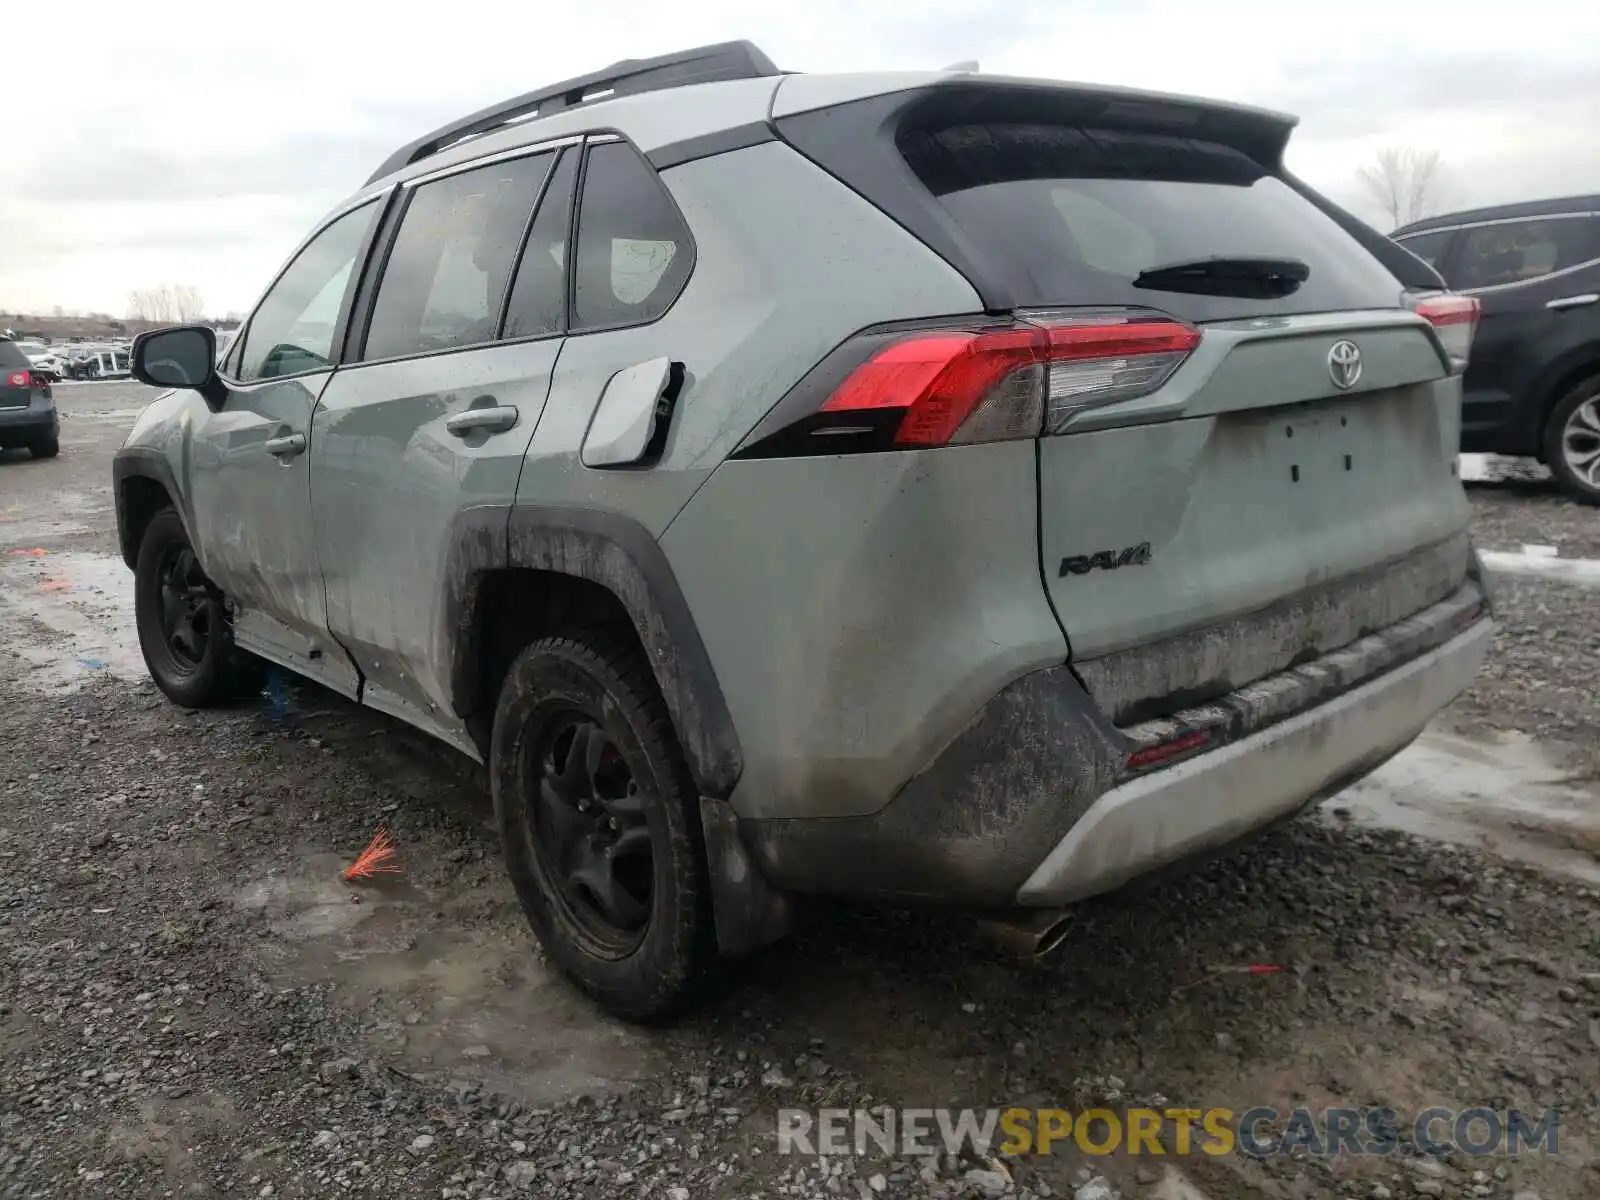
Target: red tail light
(19, 379)
(1455, 320)
(938, 380)
(1152, 756)
(937, 387)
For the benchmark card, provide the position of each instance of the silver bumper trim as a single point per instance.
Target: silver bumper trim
(1219, 797)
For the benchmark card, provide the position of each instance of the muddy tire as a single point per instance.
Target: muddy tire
(600, 824)
(1572, 442)
(183, 628)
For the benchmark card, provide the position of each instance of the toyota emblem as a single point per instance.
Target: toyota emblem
(1344, 364)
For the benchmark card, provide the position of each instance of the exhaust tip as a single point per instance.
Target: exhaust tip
(1052, 937)
(1032, 935)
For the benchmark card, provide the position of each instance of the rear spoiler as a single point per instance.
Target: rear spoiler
(1414, 274)
(854, 141)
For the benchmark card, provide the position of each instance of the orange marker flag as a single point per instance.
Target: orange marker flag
(376, 859)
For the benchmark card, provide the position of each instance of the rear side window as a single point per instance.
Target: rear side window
(538, 304)
(12, 359)
(1517, 251)
(447, 272)
(633, 249)
(1429, 247)
(1074, 215)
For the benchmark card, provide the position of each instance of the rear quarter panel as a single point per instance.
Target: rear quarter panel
(788, 264)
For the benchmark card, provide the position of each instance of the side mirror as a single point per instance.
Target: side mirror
(184, 356)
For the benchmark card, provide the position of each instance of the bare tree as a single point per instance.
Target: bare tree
(186, 303)
(1405, 182)
(168, 303)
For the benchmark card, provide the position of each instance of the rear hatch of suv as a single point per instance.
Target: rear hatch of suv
(1248, 450)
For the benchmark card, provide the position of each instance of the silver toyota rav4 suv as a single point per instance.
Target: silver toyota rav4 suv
(929, 488)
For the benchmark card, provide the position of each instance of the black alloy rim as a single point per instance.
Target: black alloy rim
(587, 814)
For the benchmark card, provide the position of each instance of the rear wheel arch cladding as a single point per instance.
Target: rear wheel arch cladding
(616, 554)
(477, 546)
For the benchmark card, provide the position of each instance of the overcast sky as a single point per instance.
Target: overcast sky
(183, 143)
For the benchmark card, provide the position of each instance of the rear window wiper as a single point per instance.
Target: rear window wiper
(1254, 278)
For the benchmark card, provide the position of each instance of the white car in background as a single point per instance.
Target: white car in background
(45, 360)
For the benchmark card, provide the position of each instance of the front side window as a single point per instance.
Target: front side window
(633, 249)
(446, 277)
(1517, 251)
(294, 326)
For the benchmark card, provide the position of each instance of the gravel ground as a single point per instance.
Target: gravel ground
(193, 1004)
(1511, 515)
(1544, 676)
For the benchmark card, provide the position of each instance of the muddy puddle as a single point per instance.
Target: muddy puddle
(449, 996)
(1507, 795)
(67, 616)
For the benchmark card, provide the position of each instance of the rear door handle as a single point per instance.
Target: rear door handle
(286, 446)
(1574, 301)
(487, 420)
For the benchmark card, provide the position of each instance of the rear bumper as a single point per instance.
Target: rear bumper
(1210, 801)
(39, 419)
(1035, 803)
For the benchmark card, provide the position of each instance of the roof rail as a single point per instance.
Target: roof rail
(703, 64)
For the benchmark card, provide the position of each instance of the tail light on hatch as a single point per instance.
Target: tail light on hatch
(928, 387)
(19, 379)
(1455, 320)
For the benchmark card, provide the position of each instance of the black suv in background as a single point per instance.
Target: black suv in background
(27, 407)
(1533, 382)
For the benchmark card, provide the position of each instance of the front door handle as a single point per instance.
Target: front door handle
(1574, 301)
(485, 420)
(286, 446)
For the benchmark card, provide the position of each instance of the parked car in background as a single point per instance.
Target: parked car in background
(46, 361)
(27, 408)
(930, 488)
(1533, 385)
(100, 362)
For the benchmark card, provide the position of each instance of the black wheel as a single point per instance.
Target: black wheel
(182, 622)
(1572, 442)
(600, 823)
(45, 448)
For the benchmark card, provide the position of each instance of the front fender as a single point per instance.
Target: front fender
(155, 449)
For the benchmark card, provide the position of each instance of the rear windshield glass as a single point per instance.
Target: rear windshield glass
(13, 359)
(1075, 214)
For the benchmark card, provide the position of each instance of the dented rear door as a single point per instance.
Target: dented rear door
(1192, 521)
(1270, 473)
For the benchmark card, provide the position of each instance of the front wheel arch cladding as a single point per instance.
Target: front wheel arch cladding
(621, 556)
(147, 464)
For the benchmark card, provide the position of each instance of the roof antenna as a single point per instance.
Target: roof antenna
(968, 65)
